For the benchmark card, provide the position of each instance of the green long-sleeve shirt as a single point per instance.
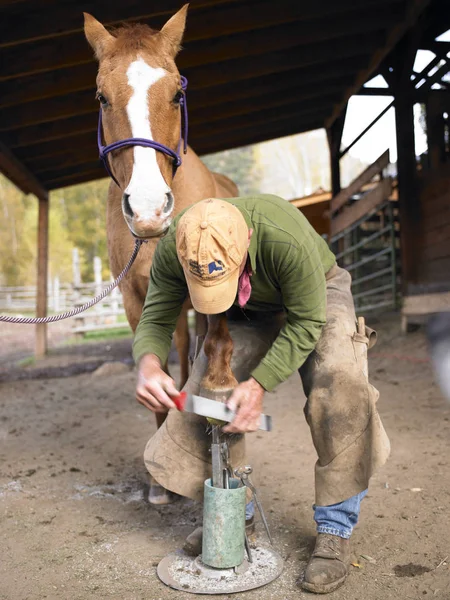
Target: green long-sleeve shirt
(289, 261)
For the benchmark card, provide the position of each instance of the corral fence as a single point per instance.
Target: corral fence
(365, 237)
(108, 314)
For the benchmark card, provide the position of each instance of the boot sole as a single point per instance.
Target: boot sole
(323, 588)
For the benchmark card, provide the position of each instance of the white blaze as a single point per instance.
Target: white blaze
(147, 188)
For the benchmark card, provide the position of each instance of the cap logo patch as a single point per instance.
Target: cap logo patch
(215, 266)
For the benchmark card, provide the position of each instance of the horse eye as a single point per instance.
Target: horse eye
(101, 98)
(177, 97)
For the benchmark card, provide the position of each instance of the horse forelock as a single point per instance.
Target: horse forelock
(133, 39)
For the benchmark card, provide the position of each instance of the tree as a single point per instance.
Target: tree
(240, 165)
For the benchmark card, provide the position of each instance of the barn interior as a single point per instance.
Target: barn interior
(74, 520)
(256, 71)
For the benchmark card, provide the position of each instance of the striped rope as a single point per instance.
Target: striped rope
(75, 311)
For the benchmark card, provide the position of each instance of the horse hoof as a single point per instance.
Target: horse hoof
(159, 495)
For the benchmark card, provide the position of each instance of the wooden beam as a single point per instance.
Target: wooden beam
(317, 198)
(42, 274)
(367, 175)
(361, 207)
(415, 8)
(38, 156)
(86, 154)
(206, 144)
(49, 55)
(30, 23)
(334, 137)
(48, 85)
(19, 174)
(59, 132)
(49, 110)
(228, 92)
(82, 148)
(82, 77)
(435, 131)
(59, 19)
(66, 180)
(66, 107)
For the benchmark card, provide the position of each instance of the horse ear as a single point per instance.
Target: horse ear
(173, 30)
(97, 36)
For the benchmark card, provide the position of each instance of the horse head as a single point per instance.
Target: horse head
(140, 89)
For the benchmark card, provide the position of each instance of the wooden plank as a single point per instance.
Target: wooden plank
(437, 271)
(49, 55)
(40, 157)
(436, 220)
(426, 304)
(311, 199)
(81, 176)
(316, 215)
(367, 175)
(66, 107)
(19, 174)
(31, 22)
(437, 236)
(361, 207)
(435, 251)
(86, 155)
(39, 141)
(415, 9)
(82, 77)
(42, 274)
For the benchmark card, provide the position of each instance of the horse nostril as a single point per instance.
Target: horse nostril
(168, 206)
(126, 206)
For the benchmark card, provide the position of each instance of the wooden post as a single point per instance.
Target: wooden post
(42, 269)
(334, 136)
(435, 130)
(408, 197)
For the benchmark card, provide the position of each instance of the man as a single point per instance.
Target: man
(260, 253)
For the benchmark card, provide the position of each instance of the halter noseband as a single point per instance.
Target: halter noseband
(175, 156)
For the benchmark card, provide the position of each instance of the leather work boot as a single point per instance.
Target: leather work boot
(327, 568)
(193, 543)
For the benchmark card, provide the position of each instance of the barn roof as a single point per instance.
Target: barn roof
(257, 70)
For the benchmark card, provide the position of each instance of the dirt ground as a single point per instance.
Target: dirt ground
(74, 522)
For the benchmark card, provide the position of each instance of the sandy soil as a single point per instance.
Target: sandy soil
(74, 523)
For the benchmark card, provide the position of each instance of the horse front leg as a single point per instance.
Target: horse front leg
(218, 381)
(182, 342)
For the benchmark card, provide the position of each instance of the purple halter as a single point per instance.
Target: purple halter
(175, 156)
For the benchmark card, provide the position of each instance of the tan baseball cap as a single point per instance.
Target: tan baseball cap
(212, 242)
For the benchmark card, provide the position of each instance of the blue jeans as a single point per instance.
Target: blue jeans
(339, 519)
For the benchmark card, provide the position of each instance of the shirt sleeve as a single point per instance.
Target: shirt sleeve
(303, 288)
(166, 294)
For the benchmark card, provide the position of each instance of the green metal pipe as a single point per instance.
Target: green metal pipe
(223, 525)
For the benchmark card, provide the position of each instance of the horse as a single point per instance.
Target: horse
(140, 91)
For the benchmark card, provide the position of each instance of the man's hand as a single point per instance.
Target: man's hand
(247, 402)
(154, 386)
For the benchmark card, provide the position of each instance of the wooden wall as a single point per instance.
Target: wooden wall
(434, 268)
(318, 217)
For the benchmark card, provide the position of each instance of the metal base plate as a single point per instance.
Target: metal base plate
(189, 574)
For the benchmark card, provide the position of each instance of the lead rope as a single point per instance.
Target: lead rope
(71, 313)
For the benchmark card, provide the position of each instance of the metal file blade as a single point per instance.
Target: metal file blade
(214, 410)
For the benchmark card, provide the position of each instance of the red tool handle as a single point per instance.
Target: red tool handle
(180, 400)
